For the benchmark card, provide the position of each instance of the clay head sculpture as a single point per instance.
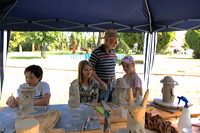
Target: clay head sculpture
(168, 89)
(136, 114)
(74, 96)
(120, 94)
(26, 100)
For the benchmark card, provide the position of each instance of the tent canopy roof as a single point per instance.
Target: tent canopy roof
(98, 15)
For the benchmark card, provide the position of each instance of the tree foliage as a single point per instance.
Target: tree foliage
(131, 38)
(164, 40)
(192, 37)
(16, 39)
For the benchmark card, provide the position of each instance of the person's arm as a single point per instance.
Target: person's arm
(43, 101)
(140, 90)
(102, 85)
(138, 83)
(46, 94)
(93, 59)
(12, 102)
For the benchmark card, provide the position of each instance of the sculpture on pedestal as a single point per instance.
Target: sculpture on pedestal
(74, 96)
(120, 94)
(168, 89)
(136, 115)
(26, 100)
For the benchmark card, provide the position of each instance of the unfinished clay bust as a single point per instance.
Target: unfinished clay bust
(26, 100)
(120, 94)
(136, 114)
(74, 96)
(29, 125)
(168, 89)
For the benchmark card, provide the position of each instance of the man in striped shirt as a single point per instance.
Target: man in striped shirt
(103, 60)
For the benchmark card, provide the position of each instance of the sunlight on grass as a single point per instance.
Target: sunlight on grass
(179, 57)
(181, 71)
(59, 53)
(25, 57)
(137, 61)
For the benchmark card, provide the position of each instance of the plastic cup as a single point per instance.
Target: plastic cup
(187, 130)
(124, 113)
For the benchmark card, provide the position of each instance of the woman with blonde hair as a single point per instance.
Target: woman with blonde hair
(88, 86)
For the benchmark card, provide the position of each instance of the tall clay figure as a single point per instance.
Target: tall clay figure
(136, 114)
(74, 97)
(26, 100)
(120, 94)
(168, 89)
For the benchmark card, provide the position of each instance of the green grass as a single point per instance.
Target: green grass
(181, 71)
(59, 53)
(179, 57)
(25, 57)
(137, 61)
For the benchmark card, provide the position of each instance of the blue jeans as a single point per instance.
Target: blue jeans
(106, 95)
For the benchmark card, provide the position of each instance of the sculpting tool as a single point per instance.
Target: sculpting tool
(1, 131)
(12, 99)
(86, 123)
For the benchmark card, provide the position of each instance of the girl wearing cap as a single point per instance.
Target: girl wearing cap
(131, 77)
(88, 86)
(33, 76)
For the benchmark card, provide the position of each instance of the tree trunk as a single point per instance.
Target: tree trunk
(62, 46)
(43, 51)
(38, 47)
(33, 47)
(20, 48)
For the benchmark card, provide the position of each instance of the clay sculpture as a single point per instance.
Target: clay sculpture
(120, 94)
(26, 100)
(168, 89)
(136, 115)
(74, 96)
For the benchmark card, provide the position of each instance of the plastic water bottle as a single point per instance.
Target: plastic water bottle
(185, 119)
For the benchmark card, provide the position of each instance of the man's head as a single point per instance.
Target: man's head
(110, 39)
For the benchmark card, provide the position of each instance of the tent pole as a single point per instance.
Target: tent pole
(149, 14)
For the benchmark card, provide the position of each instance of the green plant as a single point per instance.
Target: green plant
(166, 52)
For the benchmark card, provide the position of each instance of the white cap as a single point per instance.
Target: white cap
(128, 59)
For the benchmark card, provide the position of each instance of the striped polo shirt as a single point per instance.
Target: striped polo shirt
(103, 62)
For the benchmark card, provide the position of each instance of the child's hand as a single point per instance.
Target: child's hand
(11, 102)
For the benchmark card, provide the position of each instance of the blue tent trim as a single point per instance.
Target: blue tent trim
(4, 42)
(150, 42)
(96, 16)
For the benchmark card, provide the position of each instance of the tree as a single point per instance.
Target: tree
(16, 39)
(43, 38)
(192, 37)
(131, 38)
(164, 39)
